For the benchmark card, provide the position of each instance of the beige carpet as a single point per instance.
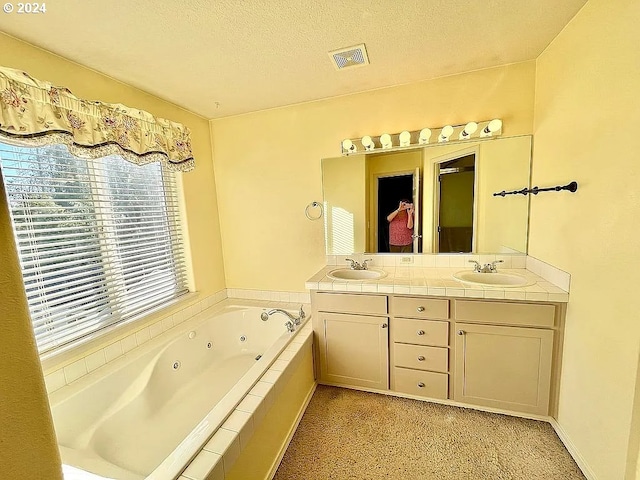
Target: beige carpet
(346, 434)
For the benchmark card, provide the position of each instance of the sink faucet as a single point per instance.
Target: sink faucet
(293, 320)
(356, 266)
(487, 268)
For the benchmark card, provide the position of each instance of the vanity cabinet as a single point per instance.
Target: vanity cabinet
(503, 355)
(353, 349)
(490, 353)
(419, 352)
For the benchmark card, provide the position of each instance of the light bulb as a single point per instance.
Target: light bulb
(469, 129)
(425, 135)
(385, 140)
(405, 139)
(445, 133)
(348, 146)
(367, 143)
(493, 126)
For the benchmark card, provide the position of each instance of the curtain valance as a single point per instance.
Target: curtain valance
(33, 112)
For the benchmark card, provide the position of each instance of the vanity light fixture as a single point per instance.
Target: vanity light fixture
(405, 138)
(385, 140)
(367, 143)
(348, 146)
(445, 134)
(493, 126)
(469, 129)
(425, 135)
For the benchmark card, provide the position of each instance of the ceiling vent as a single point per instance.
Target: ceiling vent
(355, 56)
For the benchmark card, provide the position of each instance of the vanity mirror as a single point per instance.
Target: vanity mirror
(432, 199)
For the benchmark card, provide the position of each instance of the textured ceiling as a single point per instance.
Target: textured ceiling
(225, 57)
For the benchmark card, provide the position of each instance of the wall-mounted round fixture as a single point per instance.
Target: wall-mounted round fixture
(385, 140)
(425, 135)
(469, 129)
(405, 138)
(445, 133)
(367, 143)
(493, 126)
(348, 146)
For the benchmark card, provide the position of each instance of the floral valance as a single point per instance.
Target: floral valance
(34, 112)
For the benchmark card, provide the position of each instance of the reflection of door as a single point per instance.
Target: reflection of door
(391, 190)
(417, 226)
(455, 212)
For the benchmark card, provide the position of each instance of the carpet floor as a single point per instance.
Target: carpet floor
(347, 434)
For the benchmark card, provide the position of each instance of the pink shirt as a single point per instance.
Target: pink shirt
(399, 234)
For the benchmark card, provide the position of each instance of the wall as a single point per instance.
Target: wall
(586, 116)
(27, 441)
(268, 162)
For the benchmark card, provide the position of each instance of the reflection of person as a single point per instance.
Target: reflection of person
(401, 228)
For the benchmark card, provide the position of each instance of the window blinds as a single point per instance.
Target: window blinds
(99, 240)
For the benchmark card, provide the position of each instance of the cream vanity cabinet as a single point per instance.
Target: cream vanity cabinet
(352, 339)
(503, 354)
(490, 353)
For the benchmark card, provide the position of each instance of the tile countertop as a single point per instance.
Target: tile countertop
(440, 282)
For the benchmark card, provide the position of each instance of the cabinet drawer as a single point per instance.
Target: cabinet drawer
(420, 332)
(350, 303)
(504, 313)
(436, 309)
(417, 382)
(421, 358)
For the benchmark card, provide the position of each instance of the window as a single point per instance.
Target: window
(99, 240)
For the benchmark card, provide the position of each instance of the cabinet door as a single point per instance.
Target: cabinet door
(503, 367)
(354, 350)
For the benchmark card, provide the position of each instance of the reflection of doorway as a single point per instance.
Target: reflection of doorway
(390, 191)
(455, 196)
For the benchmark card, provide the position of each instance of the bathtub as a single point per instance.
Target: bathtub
(147, 414)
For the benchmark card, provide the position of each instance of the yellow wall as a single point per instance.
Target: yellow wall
(344, 183)
(27, 441)
(268, 162)
(587, 111)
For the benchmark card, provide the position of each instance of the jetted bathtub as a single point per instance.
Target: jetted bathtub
(147, 414)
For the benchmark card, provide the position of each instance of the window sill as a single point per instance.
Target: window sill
(85, 346)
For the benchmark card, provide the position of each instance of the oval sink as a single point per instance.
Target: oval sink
(493, 279)
(348, 274)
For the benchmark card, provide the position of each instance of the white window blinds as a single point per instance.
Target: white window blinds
(99, 240)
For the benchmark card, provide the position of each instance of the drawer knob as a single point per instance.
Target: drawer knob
(420, 385)
(420, 309)
(420, 332)
(460, 332)
(384, 325)
(421, 358)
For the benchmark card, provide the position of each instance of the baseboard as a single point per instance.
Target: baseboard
(573, 451)
(292, 432)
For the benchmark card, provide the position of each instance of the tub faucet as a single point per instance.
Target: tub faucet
(293, 320)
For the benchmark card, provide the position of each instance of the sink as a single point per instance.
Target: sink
(353, 275)
(493, 279)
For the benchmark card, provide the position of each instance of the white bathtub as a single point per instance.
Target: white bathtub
(147, 414)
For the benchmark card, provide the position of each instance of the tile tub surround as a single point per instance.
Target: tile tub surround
(439, 281)
(218, 456)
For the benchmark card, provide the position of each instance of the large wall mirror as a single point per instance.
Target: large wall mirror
(435, 199)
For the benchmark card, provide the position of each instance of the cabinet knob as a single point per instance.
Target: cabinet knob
(420, 309)
(420, 385)
(461, 332)
(420, 332)
(384, 325)
(421, 358)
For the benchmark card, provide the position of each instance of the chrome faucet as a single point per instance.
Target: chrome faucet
(487, 268)
(356, 266)
(293, 320)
